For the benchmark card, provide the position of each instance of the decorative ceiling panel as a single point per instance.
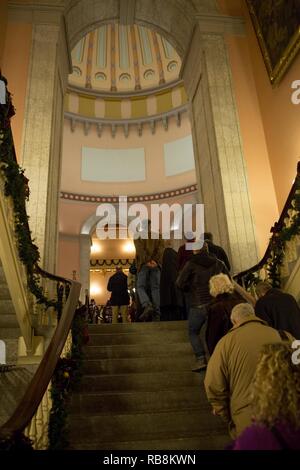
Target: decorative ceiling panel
(123, 58)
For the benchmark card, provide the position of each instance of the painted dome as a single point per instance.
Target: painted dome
(117, 58)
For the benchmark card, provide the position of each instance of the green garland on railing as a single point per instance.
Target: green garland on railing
(66, 378)
(280, 239)
(16, 442)
(16, 187)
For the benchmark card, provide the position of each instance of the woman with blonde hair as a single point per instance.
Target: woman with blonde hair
(219, 310)
(275, 402)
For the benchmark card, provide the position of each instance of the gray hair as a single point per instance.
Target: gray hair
(240, 312)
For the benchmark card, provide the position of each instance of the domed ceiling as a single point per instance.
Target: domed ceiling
(117, 58)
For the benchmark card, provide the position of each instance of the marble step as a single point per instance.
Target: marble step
(165, 380)
(6, 306)
(4, 292)
(160, 336)
(9, 333)
(139, 327)
(138, 365)
(141, 426)
(8, 321)
(217, 440)
(135, 350)
(140, 401)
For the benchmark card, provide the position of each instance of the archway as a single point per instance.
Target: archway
(221, 171)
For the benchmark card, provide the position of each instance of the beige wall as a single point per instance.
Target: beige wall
(156, 180)
(68, 257)
(280, 118)
(230, 7)
(16, 56)
(261, 187)
(3, 25)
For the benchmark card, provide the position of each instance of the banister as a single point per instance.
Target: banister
(40, 381)
(38, 386)
(274, 230)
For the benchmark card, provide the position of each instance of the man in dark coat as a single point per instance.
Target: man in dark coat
(170, 295)
(216, 250)
(194, 280)
(183, 254)
(279, 309)
(119, 300)
(149, 250)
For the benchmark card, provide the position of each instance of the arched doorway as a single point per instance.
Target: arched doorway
(221, 172)
(197, 33)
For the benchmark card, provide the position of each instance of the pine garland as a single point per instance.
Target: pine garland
(16, 187)
(65, 379)
(281, 238)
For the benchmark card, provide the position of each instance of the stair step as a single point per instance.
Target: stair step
(2, 276)
(131, 338)
(6, 306)
(140, 382)
(139, 327)
(135, 350)
(137, 365)
(8, 321)
(201, 441)
(124, 402)
(4, 292)
(9, 333)
(11, 349)
(154, 425)
(13, 384)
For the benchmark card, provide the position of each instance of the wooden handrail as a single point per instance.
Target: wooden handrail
(37, 388)
(40, 381)
(275, 229)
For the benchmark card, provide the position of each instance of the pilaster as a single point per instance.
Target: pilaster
(221, 170)
(43, 126)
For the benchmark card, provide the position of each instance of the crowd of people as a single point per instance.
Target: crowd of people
(243, 342)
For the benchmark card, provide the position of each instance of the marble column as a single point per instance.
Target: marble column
(220, 165)
(42, 136)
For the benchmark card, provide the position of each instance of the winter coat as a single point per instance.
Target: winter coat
(147, 250)
(218, 320)
(261, 437)
(117, 285)
(218, 252)
(231, 369)
(280, 310)
(194, 277)
(183, 256)
(169, 292)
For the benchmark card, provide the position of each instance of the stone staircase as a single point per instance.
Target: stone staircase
(13, 384)
(9, 327)
(138, 392)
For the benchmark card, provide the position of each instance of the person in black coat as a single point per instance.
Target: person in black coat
(219, 310)
(169, 292)
(119, 300)
(194, 280)
(216, 250)
(279, 309)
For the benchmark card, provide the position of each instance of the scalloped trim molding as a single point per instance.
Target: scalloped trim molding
(139, 198)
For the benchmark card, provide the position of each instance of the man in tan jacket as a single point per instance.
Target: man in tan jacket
(149, 250)
(231, 368)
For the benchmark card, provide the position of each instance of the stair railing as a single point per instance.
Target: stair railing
(41, 298)
(32, 413)
(282, 247)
